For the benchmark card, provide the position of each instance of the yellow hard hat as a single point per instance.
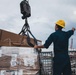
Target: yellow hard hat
(61, 23)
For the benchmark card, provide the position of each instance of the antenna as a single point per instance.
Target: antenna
(71, 46)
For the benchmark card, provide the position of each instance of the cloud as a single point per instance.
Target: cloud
(44, 14)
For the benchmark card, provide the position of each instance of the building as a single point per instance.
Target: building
(72, 53)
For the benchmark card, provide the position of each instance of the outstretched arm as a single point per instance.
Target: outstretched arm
(73, 29)
(70, 32)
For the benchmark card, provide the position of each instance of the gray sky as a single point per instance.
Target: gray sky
(44, 14)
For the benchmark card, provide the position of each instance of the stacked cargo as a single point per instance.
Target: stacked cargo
(11, 39)
(5, 62)
(23, 58)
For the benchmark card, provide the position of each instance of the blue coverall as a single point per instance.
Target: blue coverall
(61, 60)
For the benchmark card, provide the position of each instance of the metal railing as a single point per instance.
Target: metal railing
(46, 60)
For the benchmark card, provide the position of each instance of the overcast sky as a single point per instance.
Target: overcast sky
(44, 14)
